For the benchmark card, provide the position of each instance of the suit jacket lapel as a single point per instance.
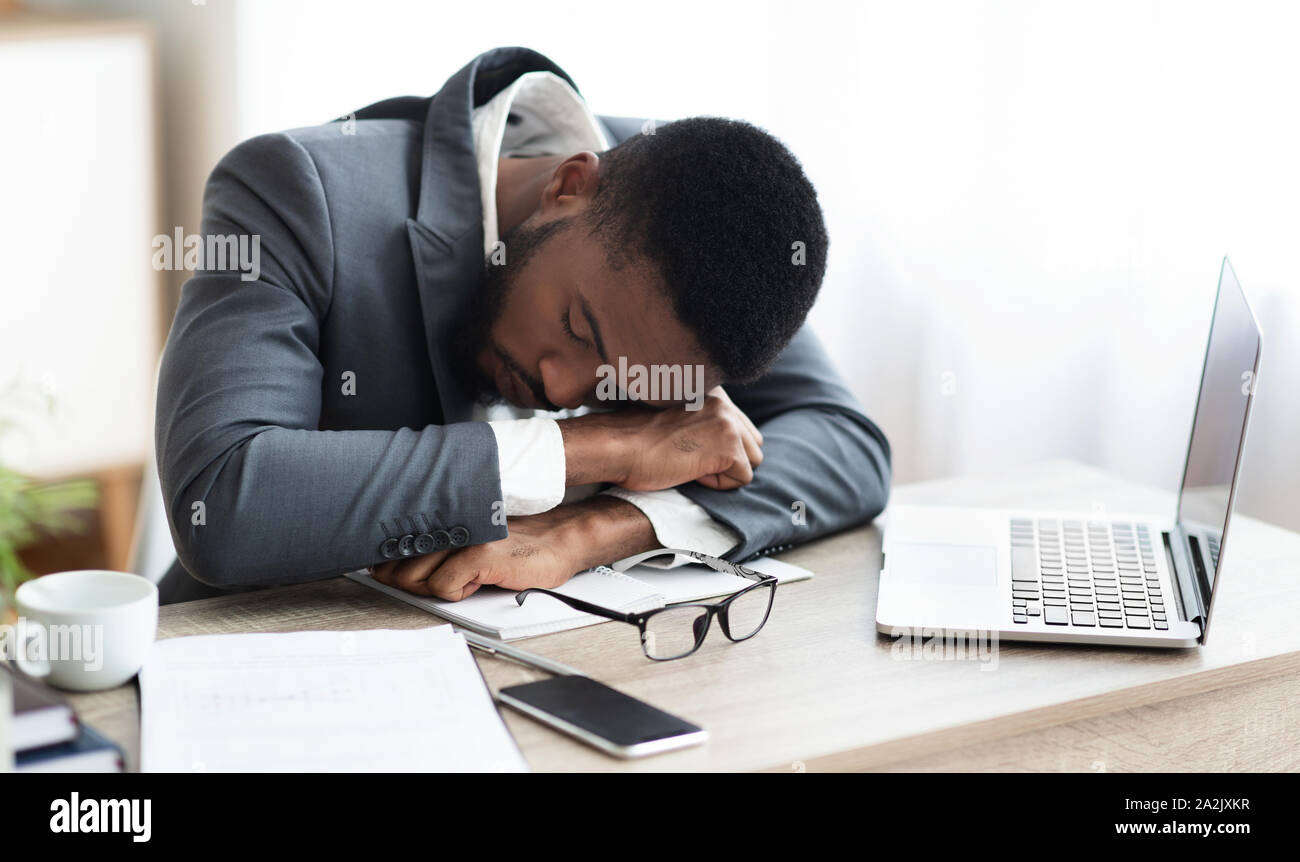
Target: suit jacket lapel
(447, 233)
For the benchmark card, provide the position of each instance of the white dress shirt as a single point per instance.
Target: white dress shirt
(537, 115)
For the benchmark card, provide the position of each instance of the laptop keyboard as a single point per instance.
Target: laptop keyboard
(1085, 574)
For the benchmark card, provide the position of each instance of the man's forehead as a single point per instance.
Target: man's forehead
(636, 320)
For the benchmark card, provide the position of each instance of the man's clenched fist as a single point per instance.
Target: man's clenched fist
(648, 450)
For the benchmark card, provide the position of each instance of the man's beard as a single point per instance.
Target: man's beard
(473, 333)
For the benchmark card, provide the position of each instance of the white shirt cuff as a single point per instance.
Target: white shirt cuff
(679, 522)
(531, 455)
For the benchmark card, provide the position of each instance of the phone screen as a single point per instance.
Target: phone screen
(600, 710)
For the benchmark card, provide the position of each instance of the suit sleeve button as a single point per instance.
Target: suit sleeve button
(389, 549)
(424, 543)
(441, 540)
(406, 545)
(459, 537)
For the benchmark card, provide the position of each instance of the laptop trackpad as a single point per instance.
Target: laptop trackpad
(950, 565)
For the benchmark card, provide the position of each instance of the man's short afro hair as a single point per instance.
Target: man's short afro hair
(724, 212)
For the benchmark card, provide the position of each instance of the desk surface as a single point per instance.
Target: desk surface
(819, 689)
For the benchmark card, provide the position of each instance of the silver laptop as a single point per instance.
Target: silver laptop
(1087, 577)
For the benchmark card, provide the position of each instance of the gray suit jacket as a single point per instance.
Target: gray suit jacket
(371, 241)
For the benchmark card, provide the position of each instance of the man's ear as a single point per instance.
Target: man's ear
(572, 184)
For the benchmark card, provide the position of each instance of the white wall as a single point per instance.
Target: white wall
(1028, 201)
(196, 93)
(78, 298)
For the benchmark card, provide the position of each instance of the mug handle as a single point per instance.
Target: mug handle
(33, 669)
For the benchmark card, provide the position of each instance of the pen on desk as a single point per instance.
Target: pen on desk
(492, 645)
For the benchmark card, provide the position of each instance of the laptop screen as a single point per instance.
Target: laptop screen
(1218, 428)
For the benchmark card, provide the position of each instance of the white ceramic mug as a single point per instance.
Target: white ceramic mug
(97, 628)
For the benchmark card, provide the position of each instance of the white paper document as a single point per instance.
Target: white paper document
(379, 700)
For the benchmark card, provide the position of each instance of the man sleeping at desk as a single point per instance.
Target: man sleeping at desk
(493, 338)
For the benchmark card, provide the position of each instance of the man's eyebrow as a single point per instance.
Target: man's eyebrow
(595, 328)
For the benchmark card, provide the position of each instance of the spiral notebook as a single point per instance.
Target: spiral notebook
(493, 611)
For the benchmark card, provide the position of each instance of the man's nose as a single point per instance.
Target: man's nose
(566, 385)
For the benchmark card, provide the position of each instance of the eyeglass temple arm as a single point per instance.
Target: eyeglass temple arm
(576, 604)
(716, 563)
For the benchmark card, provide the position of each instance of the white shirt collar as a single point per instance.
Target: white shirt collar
(537, 115)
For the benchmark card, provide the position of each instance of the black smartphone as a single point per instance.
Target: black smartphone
(602, 716)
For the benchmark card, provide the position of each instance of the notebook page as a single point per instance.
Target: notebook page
(494, 611)
(693, 582)
(320, 701)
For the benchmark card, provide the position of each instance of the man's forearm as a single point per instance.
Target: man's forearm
(542, 550)
(649, 450)
(604, 529)
(593, 450)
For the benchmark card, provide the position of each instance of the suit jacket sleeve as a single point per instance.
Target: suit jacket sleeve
(825, 464)
(255, 493)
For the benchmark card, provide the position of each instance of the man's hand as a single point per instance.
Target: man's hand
(541, 551)
(648, 450)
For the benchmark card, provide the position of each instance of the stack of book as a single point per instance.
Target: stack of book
(46, 735)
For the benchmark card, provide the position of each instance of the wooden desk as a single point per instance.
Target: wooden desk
(820, 690)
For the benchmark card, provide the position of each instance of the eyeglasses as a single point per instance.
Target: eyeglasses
(677, 630)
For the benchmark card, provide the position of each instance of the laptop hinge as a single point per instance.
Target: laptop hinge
(1190, 602)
